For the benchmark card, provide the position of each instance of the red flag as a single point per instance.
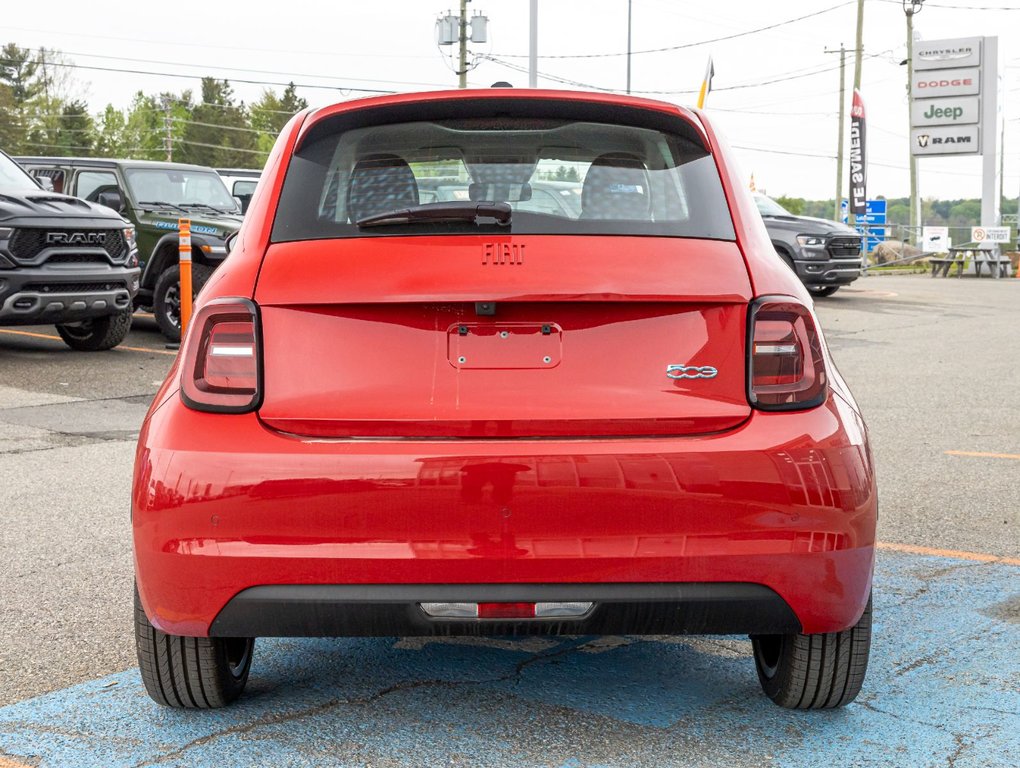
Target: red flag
(858, 157)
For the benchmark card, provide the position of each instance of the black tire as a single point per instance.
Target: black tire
(190, 672)
(97, 334)
(814, 671)
(823, 290)
(166, 300)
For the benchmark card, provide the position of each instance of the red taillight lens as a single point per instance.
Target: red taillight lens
(786, 368)
(222, 366)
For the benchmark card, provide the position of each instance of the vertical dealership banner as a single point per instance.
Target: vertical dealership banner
(858, 157)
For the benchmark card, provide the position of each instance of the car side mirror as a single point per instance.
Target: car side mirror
(111, 199)
(46, 183)
(228, 244)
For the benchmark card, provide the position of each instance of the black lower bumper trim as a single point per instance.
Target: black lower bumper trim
(387, 610)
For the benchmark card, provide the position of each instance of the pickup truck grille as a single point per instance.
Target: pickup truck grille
(843, 247)
(74, 287)
(26, 244)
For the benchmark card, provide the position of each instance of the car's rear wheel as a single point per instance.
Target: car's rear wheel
(191, 672)
(166, 304)
(814, 671)
(97, 334)
(823, 290)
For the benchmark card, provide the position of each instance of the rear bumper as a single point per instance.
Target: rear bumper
(305, 610)
(44, 295)
(221, 505)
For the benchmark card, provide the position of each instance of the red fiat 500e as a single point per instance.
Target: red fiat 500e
(503, 362)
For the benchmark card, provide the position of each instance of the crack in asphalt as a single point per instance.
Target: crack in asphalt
(269, 720)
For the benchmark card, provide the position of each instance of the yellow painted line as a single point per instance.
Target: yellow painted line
(34, 335)
(980, 454)
(30, 333)
(6, 762)
(980, 557)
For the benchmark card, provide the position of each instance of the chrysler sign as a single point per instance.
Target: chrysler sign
(945, 54)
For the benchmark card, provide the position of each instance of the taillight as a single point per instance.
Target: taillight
(222, 368)
(786, 369)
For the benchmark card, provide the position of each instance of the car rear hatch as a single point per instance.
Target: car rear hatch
(477, 336)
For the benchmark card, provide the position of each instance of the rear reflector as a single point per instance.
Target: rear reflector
(564, 610)
(221, 369)
(786, 368)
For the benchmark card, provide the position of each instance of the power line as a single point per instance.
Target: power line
(220, 146)
(683, 45)
(244, 69)
(319, 86)
(781, 78)
(215, 46)
(963, 7)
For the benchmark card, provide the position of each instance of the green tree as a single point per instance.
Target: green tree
(268, 116)
(217, 133)
(20, 84)
(794, 205)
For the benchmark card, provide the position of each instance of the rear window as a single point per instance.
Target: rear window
(559, 176)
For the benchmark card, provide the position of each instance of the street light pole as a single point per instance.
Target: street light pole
(911, 7)
(533, 46)
(629, 2)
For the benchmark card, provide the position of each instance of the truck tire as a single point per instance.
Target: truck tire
(823, 290)
(190, 672)
(814, 671)
(97, 334)
(166, 300)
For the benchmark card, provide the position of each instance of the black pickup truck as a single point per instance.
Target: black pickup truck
(64, 262)
(825, 255)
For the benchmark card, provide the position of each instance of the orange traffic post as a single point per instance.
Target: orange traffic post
(184, 228)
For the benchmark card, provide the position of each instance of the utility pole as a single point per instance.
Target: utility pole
(858, 60)
(910, 8)
(533, 46)
(462, 68)
(629, 3)
(839, 142)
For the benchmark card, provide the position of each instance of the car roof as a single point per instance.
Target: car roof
(250, 173)
(110, 162)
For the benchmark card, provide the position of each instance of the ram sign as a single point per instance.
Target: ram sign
(943, 140)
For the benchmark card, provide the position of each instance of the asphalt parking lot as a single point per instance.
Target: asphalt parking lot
(934, 364)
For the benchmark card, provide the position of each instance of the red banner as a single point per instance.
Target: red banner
(858, 157)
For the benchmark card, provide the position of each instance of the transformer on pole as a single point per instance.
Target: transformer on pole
(458, 29)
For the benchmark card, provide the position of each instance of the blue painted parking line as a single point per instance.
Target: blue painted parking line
(943, 688)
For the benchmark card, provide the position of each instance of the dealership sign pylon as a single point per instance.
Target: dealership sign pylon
(954, 108)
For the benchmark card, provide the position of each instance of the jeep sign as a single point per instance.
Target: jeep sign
(959, 111)
(945, 140)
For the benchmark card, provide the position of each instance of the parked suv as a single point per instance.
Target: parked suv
(153, 196)
(824, 255)
(459, 417)
(64, 261)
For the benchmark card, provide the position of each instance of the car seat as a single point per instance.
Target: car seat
(616, 187)
(378, 184)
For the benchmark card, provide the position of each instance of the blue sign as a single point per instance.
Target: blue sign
(873, 219)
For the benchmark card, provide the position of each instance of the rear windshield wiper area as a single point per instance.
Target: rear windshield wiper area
(440, 212)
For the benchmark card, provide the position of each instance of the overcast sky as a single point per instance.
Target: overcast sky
(391, 46)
